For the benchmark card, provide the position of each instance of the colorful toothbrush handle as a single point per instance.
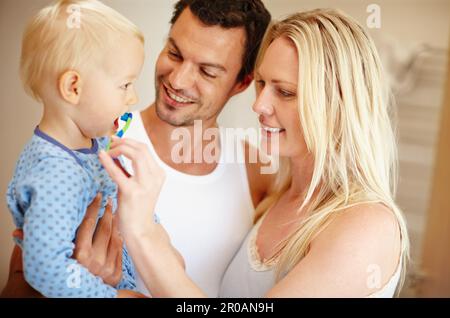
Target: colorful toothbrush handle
(127, 117)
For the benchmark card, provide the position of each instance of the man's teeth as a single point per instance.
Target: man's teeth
(273, 130)
(178, 98)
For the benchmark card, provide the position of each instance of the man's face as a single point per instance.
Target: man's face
(196, 73)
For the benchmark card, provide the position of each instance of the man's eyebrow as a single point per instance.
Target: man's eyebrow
(206, 64)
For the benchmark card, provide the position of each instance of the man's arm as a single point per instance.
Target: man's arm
(17, 287)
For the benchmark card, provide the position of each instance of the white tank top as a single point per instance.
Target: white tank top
(248, 277)
(207, 217)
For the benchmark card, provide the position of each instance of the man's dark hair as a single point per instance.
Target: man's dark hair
(249, 14)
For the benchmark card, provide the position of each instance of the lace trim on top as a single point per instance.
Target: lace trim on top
(254, 258)
(259, 265)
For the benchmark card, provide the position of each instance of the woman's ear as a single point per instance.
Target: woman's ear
(70, 85)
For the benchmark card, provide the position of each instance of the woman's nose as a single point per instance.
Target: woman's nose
(263, 104)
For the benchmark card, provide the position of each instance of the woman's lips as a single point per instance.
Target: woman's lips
(116, 123)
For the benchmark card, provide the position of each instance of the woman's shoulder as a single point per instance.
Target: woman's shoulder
(366, 217)
(354, 255)
(361, 237)
(366, 223)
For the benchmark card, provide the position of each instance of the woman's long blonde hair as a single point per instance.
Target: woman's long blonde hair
(343, 101)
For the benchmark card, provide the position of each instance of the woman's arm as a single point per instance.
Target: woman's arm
(159, 265)
(354, 256)
(148, 243)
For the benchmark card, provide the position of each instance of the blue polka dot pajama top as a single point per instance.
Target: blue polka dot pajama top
(48, 196)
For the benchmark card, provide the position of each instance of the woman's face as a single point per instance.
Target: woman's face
(276, 104)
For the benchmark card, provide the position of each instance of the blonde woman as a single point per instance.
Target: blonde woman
(330, 227)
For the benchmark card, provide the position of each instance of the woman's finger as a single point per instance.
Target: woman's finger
(137, 157)
(116, 174)
(138, 146)
(118, 141)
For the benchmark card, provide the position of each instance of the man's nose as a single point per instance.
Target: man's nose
(182, 76)
(264, 103)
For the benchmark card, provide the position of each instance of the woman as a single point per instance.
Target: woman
(330, 227)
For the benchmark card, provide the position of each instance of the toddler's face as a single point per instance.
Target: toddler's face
(108, 89)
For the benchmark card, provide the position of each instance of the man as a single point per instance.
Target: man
(206, 206)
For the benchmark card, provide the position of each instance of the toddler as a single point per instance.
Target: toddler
(79, 60)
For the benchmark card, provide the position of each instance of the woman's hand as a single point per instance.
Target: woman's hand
(138, 194)
(164, 274)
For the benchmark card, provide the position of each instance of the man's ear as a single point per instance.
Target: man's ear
(242, 85)
(70, 85)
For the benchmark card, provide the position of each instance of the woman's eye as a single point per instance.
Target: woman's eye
(260, 83)
(286, 93)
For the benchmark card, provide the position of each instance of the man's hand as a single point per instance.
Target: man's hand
(99, 248)
(123, 293)
(17, 287)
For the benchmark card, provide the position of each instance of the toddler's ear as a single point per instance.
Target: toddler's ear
(70, 86)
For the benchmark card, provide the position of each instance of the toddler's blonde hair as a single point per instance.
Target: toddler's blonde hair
(56, 40)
